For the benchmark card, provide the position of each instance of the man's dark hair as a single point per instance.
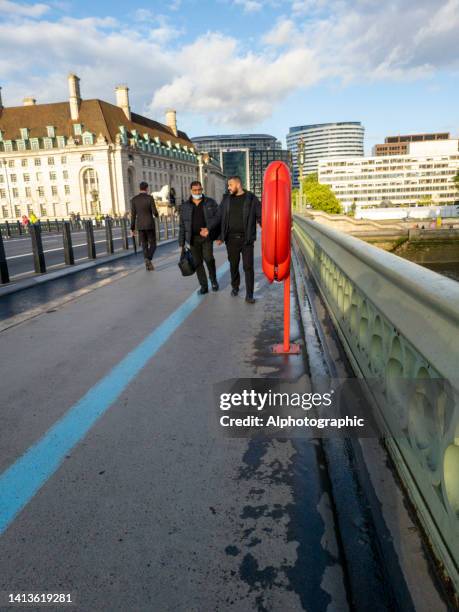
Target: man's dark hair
(195, 184)
(143, 186)
(235, 178)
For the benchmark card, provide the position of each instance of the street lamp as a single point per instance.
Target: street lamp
(5, 163)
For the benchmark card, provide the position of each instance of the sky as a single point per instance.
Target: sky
(244, 65)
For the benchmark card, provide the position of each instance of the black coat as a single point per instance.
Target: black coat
(251, 214)
(186, 218)
(143, 208)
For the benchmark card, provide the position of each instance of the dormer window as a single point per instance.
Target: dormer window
(48, 143)
(24, 133)
(51, 131)
(77, 129)
(34, 144)
(88, 138)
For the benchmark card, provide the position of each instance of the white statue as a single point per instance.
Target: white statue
(162, 195)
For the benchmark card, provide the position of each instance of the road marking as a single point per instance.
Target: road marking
(61, 248)
(23, 479)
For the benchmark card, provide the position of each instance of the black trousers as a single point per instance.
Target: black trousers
(235, 245)
(202, 250)
(148, 241)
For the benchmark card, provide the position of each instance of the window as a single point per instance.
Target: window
(63, 159)
(34, 144)
(42, 210)
(2, 194)
(61, 142)
(67, 189)
(15, 192)
(5, 212)
(65, 174)
(50, 130)
(88, 138)
(37, 161)
(28, 192)
(48, 143)
(26, 178)
(13, 178)
(50, 161)
(77, 129)
(52, 176)
(11, 163)
(24, 133)
(86, 157)
(53, 190)
(41, 192)
(17, 210)
(24, 163)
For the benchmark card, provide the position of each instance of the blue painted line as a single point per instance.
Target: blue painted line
(21, 481)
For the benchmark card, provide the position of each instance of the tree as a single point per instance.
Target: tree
(425, 200)
(320, 197)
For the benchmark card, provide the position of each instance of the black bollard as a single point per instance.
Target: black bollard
(90, 240)
(8, 229)
(157, 229)
(69, 257)
(124, 234)
(49, 226)
(37, 249)
(109, 236)
(173, 226)
(19, 226)
(4, 276)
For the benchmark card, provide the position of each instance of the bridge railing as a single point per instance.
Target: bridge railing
(399, 323)
(167, 227)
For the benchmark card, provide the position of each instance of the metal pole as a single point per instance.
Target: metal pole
(8, 229)
(90, 240)
(124, 234)
(109, 236)
(4, 276)
(37, 249)
(287, 314)
(69, 257)
(157, 229)
(166, 228)
(18, 223)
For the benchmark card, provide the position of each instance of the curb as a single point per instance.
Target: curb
(33, 281)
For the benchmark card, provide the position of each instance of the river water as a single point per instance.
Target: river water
(450, 270)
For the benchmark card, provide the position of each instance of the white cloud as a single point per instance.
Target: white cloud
(23, 10)
(216, 76)
(249, 6)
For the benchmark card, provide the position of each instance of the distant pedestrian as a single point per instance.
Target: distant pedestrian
(25, 221)
(33, 218)
(196, 214)
(143, 211)
(238, 215)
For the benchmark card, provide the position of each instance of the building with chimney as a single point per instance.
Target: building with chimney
(89, 156)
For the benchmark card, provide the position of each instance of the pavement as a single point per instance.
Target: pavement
(118, 486)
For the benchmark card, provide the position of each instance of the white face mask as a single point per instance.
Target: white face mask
(196, 196)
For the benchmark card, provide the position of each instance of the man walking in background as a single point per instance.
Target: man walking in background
(196, 214)
(238, 215)
(143, 211)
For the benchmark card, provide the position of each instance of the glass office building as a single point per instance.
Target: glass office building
(244, 155)
(324, 140)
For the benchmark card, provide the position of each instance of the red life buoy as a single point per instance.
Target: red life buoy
(277, 221)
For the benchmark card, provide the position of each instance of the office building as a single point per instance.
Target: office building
(398, 145)
(426, 172)
(323, 140)
(244, 155)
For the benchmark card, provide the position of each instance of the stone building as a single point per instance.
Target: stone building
(88, 156)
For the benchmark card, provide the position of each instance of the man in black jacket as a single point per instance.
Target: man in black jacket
(196, 214)
(143, 209)
(238, 215)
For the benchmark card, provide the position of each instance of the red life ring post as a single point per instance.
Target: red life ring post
(276, 239)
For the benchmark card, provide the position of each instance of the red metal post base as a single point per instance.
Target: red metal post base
(287, 348)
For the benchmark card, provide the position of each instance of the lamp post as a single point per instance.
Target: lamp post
(5, 163)
(300, 167)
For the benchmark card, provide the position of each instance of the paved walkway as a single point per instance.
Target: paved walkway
(135, 500)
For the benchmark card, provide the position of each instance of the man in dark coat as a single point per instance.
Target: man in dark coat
(143, 211)
(238, 215)
(196, 214)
